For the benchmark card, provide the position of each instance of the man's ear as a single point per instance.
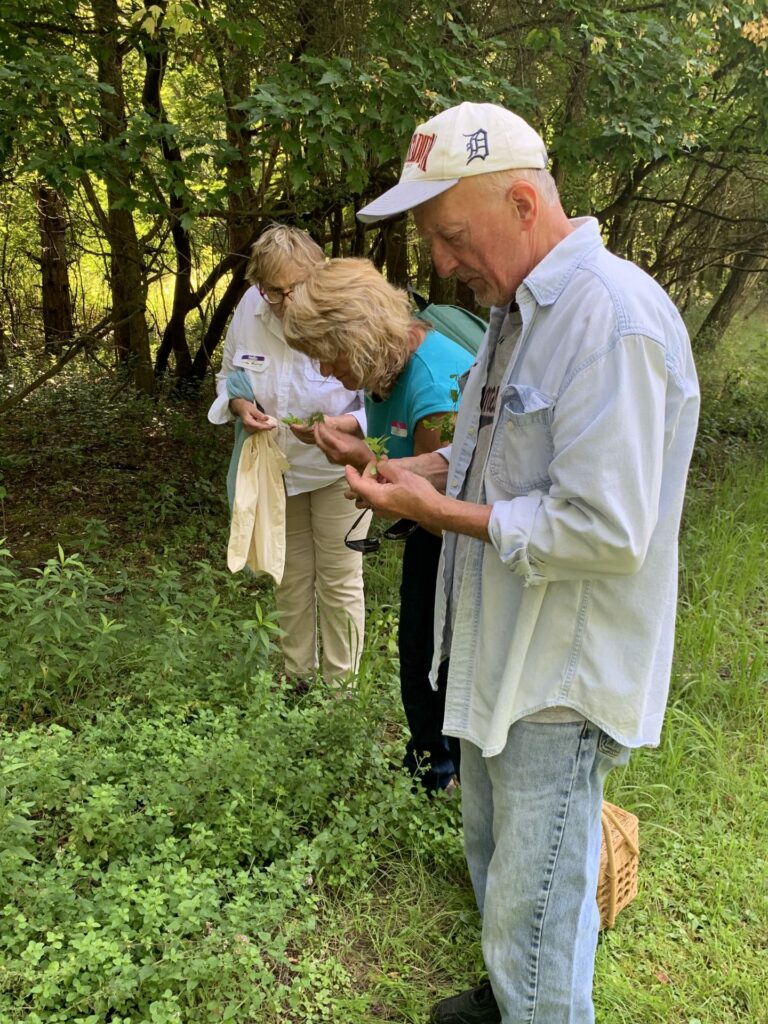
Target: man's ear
(525, 199)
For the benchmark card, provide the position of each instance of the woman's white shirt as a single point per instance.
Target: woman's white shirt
(284, 383)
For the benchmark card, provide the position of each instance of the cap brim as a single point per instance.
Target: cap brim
(403, 196)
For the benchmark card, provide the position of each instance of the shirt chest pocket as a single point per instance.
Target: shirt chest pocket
(522, 447)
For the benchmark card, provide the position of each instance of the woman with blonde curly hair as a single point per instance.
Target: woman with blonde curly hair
(261, 384)
(356, 326)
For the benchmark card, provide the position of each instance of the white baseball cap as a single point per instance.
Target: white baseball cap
(472, 138)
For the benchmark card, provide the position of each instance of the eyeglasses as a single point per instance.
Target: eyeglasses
(274, 296)
(400, 530)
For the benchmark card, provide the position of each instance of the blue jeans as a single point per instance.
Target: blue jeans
(532, 840)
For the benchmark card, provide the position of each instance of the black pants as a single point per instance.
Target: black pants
(430, 757)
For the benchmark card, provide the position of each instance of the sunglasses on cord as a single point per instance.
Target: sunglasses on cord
(400, 530)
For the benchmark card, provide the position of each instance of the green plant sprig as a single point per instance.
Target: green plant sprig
(310, 421)
(378, 446)
(445, 424)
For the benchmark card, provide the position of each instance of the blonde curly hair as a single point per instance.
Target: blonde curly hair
(346, 309)
(280, 246)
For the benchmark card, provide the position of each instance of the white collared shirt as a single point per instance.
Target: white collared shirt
(285, 383)
(572, 603)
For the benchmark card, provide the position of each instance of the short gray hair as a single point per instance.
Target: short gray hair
(280, 246)
(542, 181)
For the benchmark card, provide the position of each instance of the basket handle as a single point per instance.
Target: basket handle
(610, 870)
(614, 820)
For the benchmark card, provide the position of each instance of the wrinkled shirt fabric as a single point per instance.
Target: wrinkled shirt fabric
(572, 603)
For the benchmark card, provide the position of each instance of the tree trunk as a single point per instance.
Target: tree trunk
(241, 197)
(127, 276)
(234, 65)
(215, 331)
(174, 337)
(396, 249)
(58, 322)
(358, 238)
(336, 221)
(129, 296)
(747, 267)
(574, 107)
(235, 68)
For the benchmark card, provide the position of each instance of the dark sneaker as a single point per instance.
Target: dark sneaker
(475, 1006)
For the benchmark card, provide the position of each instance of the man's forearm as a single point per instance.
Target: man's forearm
(454, 516)
(439, 512)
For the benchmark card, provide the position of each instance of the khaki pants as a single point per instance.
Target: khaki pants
(321, 574)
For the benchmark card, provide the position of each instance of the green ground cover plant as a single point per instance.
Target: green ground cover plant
(184, 842)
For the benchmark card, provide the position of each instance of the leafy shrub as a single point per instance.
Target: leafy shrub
(69, 639)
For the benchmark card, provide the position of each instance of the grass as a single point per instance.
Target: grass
(183, 842)
(692, 946)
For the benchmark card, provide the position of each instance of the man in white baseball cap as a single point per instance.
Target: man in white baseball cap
(560, 502)
(471, 139)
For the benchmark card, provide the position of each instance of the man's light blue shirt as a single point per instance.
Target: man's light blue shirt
(572, 603)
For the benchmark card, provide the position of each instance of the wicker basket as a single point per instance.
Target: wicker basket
(617, 882)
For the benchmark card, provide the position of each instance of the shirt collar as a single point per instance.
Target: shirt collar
(549, 277)
(271, 322)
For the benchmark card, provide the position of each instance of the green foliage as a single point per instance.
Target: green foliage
(184, 841)
(378, 447)
(170, 859)
(68, 638)
(646, 85)
(733, 423)
(354, 114)
(655, 116)
(445, 424)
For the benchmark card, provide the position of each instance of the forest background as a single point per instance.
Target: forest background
(180, 841)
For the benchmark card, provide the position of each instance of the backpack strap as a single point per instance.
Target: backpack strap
(419, 300)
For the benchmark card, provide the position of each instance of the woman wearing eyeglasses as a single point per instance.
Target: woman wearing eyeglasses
(262, 380)
(359, 328)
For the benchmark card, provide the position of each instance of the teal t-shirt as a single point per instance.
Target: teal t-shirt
(426, 386)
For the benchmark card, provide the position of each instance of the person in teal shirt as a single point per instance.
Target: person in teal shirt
(428, 382)
(359, 328)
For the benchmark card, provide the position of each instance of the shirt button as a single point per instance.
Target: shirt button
(454, 482)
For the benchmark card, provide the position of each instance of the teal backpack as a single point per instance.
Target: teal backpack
(455, 323)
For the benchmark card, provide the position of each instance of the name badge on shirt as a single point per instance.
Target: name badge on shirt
(398, 429)
(250, 359)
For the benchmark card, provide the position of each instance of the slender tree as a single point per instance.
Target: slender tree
(127, 278)
(58, 319)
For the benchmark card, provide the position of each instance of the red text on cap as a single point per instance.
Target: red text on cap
(419, 149)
